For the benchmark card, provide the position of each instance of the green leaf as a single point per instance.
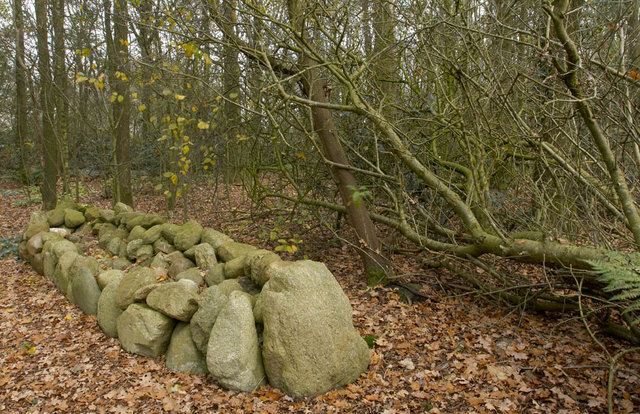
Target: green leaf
(370, 340)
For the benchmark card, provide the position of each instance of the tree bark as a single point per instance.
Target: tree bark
(377, 267)
(21, 94)
(61, 86)
(117, 48)
(49, 147)
(571, 80)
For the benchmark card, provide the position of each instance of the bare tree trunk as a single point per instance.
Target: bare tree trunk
(117, 48)
(571, 80)
(231, 90)
(61, 86)
(49, 147)
(21, 94)
(376, 266)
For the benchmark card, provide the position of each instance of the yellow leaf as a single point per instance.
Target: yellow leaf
(85, 52)
(203, 125)
(185, 150)
(80, 78)
(174, 179)
(134, 95)
(142, 107)
(120, 98)
(179, 97)
(67, 318)
(112, 98)
(301, 155)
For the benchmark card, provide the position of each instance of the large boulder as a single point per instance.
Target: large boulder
(60, 247)
(169, 231)
(48, 265)
(107, 216)
(162, 246)
(35, 243)
(233, 351)
(108, 309)
(178, 300)
(150, 220)
(55, 217)
(73, 218)
(256, 265)
(131, 282)
(92, 213)
(234, 268)
(214, 237)
(85, 291)
(152, 235)
(61, 275)
(188, 235)
(136, 233)
(37, 222)
(231, 250)
(205, 256)
(192, 274)
(310, 344)
(179, 265)
(182, 354)
(144, 331)
(121, 207)
(230, 285)
(108, 276)
(215, 275)
(202, 321)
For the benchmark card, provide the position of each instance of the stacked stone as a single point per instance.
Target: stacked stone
(208, 303)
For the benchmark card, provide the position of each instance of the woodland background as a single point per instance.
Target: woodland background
(442, 145)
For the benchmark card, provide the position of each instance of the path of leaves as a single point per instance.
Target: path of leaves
(445, 355)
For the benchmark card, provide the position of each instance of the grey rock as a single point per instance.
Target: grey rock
(162, 245)
(92, 213)
(174, 299)
(256, 265)
(192, 274)
(144, 331)
(73, 218)
(132, 248)
(202, 321)
(230, 285)
(205, 256)
(108, 309)
(107, 216)
(215, 275)
(310, 345)
(108, 276)
(61, 275)
(214, 237)
(34, 244)
(169, 232)
(37, 261)
(144, 252)
(55, 217)
(152, 235)
(37, 222)
(159, 262)
(131, 282)
(150, 220)
(233, 351)
(121, 208)
(190, 253)
(86, 291)
(188, 235)
(141, 294)
(48, 265)
(114, 246)
(234, 268)
(230, 250)
(182, 354)
(136, 233)
(179, 265)
(120, 263)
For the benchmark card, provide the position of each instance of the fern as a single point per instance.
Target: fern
(621, 273)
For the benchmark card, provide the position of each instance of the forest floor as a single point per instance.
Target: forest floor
(452, 353)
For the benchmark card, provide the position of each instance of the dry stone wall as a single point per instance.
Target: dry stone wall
(209, 304)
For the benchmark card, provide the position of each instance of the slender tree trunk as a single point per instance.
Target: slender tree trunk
(61, 91)
(49, 147)
(376, 266)
(117, 48)
(21, 95)
(231, 90)
(571, 80)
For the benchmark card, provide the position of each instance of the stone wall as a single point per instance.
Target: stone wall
(209, 304)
